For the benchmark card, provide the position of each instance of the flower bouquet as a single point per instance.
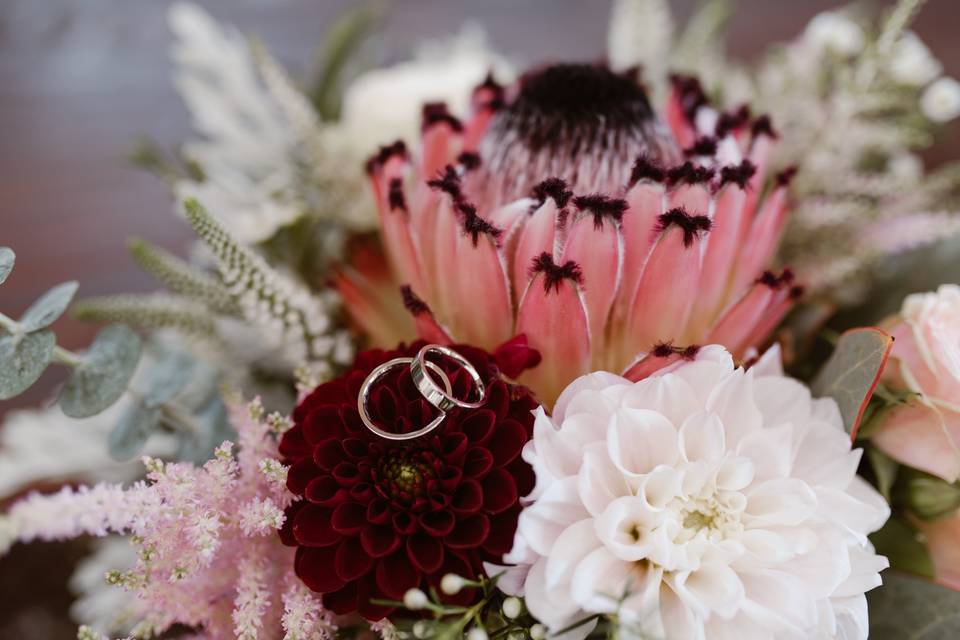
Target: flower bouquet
(586, 349)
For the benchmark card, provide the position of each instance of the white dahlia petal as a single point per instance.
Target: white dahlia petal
(703, 502)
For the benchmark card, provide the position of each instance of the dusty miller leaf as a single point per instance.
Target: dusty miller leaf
(910, 608)
(7, 258)
(102, 377)
(132, 431)
(23, 358)
(851, 373)
(48, 307)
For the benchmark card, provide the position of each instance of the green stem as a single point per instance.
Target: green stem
(9, 324)
(68, 358)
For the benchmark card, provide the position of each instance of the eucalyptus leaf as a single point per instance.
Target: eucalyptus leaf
(48, 307)
(852, 372)
(910, 608)
(165, 378)
(103, 375)
(23, 358)
(131, 432)
(7, 258)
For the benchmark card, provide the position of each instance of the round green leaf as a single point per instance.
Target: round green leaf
(7, 258)
(132, 431)
(102, 377)
(48, 307)
(22, 359)
(164, 379)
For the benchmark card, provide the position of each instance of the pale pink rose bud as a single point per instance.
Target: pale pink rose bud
(925, 433)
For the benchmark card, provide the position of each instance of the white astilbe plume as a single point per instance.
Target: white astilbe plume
(262, 149)
(641, 34)
(288, 315)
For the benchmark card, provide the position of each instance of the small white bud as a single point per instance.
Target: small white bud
(415, 599)
(477, 634)
(912, 63)
(941, 100)
(452, 584)
(833, 31)
(512, 607)
(538, 632)
(421, 629)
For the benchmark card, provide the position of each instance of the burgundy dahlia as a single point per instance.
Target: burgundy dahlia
(378, 517)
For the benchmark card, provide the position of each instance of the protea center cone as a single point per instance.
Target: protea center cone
(567, 210)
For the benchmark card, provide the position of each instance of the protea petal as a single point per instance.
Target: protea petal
(663, 300)
(594, 242)
(538, 235)
(426, 325)
(442, 139)
(553, 316)
(764, 234)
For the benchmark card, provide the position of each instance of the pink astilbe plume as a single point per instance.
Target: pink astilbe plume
(209, 556)
(568, 210)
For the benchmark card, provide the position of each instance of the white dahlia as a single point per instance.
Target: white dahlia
(707, 501)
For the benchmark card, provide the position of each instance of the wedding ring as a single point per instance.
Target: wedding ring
(436, 396)
(378, 373)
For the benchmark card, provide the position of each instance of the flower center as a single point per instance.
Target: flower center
(715, 516)
(582, 123)
(403, 474)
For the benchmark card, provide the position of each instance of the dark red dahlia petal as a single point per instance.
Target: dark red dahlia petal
(349, 518)
(379, 541)
(478, 426)
(293, 445)
(286, 531)
(356, 448)
(362, 492)
(343, 600)
(384, 405)
(507, 441)
(300, 474)
(333, 392)
(437, 523)
(367, 592)
(499, 491)
(325, 491)
(498, 399)
(469, 533)
(352, 423)
(404, 523)
(515, 356)
(463, 385)
(523, 476)
(503, 526)
(329, 453)
(323, 423)
(468, 498)
(438, 498)
(396, 574)
(421, 412)
(354, 380)
(313, 566)
(351, 561)
(311, 527)
(449, 479)
(453, 447)
(478, 463)
(425, 552)
(378, 511)
(347, 474)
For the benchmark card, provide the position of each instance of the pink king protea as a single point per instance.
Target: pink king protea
(565, 209)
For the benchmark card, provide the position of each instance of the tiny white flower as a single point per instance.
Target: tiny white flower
(912, 62)
(512, 607)
(415, 600)
(451, 584)
(941, 100)
(421, 629)
(905, 166)
(835, 32)
(538, 632)
(477, 634)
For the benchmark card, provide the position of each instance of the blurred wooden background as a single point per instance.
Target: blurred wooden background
(80, 81)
